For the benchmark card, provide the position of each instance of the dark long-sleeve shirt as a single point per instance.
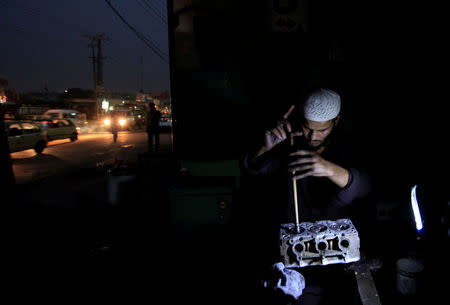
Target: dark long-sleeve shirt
(153, 118)
(318, 197)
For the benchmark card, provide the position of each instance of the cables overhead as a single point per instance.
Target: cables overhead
(164, 57)
(153, 9)
(156, 21)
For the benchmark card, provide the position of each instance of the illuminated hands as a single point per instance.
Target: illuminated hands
(309, 163)
(280, 132)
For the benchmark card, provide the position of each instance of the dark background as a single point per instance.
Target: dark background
(382, 58)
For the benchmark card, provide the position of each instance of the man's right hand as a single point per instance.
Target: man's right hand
(277, 134)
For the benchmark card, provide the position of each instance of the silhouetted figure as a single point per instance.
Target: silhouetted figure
(114, 127)
(153, 118)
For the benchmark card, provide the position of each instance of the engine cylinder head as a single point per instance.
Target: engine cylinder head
(319, 243)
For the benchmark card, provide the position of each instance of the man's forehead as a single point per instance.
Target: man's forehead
(318, 125)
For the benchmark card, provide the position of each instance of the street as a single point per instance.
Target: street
(89, 151)
(69, 187)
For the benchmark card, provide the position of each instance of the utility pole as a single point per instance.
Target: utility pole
(97, 64)
(142, 76)
(94, 68)
(100, 88)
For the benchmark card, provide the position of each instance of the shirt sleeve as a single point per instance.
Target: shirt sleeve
(358, 186)
(264, 167)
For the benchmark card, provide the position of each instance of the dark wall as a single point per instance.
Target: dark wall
(232, 75)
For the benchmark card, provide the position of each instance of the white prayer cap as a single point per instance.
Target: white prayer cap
(322, 105)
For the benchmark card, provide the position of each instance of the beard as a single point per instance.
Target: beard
(316, 147)
(302, 142)
(322, 144)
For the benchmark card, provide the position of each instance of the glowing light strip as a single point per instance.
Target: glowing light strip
(415, 207)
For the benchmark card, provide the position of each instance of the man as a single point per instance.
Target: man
(114, 126)
(153, 118)
(327, 174)
(329, 178)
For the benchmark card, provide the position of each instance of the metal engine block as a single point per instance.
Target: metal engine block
(319, 243)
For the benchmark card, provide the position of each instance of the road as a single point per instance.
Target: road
(61, 203)
(89, 151)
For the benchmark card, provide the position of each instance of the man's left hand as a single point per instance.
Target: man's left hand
(309, 163)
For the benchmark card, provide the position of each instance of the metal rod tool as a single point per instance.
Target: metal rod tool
(294, 189)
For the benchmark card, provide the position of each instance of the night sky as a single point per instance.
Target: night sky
(42, 44)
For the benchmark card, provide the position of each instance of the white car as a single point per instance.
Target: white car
(165, 121)
(76, 117)
(58, 129)
(24, 135)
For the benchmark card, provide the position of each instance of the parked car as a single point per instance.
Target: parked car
(77, 118)
(165, 121)
(24, 135)
(58, 129)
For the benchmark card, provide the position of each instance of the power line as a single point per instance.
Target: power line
(148, 42)
(154, 10)
(161, 12)
(152, 45)
(162, 3)
(160, 23)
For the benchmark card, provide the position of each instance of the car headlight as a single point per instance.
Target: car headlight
(107, 122)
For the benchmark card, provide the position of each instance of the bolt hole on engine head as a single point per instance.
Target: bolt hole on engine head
(317, 228)
(299, 230)
(340, 226)
(322, 245)
(296, 230)
(344, 243)
(300, 247)
(344, 227)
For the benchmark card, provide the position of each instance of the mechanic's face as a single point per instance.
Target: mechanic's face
(316, 133)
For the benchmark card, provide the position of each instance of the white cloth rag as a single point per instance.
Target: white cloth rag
(289, 281)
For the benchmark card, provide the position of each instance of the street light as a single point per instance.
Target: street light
(105, 105)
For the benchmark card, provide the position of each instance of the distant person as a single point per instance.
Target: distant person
(114, 126)
(153, 118)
